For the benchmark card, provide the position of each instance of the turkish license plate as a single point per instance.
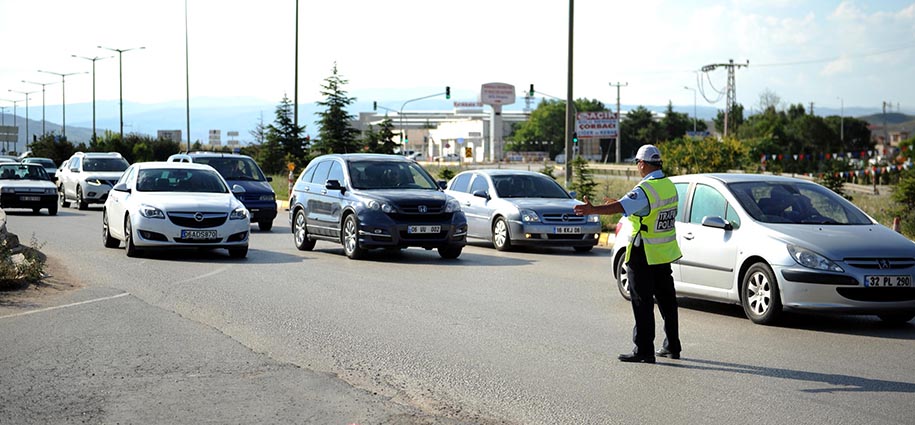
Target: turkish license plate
(567, 230)
(30, 198)
(900, 281)
(424, 229)
(198, 234)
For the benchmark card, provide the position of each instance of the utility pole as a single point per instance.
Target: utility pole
(811, 108)
(731, 88)
(570, 102)
(886, 130)
(842, 121)
(619, 118)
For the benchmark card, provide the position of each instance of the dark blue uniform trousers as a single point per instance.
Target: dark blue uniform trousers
(648, 283)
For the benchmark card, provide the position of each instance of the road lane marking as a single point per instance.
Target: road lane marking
(42, 310)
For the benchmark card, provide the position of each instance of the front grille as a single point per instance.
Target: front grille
(881, 263)
(565, 236)
(423, 236)
(878, 294)
(413, 208)
(189, 219)
(563, 218)
(421, 218)
(196, 241)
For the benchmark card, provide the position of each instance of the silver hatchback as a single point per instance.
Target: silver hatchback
(773, 243)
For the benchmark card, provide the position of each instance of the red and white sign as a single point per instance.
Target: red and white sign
(597, 124)
(497, 94)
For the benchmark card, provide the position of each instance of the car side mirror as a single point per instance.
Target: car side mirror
(442, 184)
(333, 185)
(238, 189)
(481, 194)
(716, 222)
(121, 187)
(74, 170)
(572, 194)
(269, 179)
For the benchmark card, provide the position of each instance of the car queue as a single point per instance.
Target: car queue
(770, 244)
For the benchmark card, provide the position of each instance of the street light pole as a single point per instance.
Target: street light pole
(26, 94)
(695, 115)
(93, 59)
(842, 120)
(42, 102)
(121, 81)
(63, 83)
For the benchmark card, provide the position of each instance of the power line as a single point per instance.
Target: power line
(812, 61)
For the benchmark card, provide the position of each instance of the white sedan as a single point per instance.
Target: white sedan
(175, 205)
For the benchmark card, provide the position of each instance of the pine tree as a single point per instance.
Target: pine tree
(336, 134)
(287, 136)
(582, 183)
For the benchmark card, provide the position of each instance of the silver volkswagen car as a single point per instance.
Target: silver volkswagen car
(512, 207)
(773, 243)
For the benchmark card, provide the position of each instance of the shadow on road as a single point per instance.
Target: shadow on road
(841, 383)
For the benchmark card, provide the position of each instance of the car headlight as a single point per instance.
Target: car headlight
(239, 213)
(808, 258)
(94, 182)
(268, 197)
(452, 206)
(529, 216)
(383, 206)
(149, 211)
(7, 189)
(50, 191)
(593, 218)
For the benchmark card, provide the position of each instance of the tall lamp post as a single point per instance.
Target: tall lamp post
(63, 83)
(93, 59)
(26, 94)
(695, 115)
(842, 120)
(121, 80)
(42, 101)
(15, 102)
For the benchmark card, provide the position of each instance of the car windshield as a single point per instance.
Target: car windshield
(47, 163)
(179, 180)
(234, 168)
(796, 203)
(390, 175)
(527, 186)
(105, 164)
(22, 172)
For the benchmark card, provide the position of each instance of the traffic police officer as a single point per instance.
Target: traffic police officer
(651, 208)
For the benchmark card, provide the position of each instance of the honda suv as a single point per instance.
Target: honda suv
(88, 177)
(258, 197)
(366, 201)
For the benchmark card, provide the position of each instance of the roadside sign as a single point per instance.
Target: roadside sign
(596, 124)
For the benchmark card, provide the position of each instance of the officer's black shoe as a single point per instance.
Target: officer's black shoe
(636, 358)
(663, 352)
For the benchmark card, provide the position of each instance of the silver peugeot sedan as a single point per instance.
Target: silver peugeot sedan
(772, 243)
(515, 207)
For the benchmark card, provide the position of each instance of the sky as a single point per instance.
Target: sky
(832, 53)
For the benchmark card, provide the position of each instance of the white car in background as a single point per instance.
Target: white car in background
(27, 186)
(88, 178)
(160, 205)
(772, 243)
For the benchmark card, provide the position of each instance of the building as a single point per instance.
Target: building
(170, 135)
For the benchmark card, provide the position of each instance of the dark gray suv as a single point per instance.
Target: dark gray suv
(366, 201)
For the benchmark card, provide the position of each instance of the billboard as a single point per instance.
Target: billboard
(597, 124)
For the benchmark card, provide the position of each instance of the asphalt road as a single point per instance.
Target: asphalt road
(311, 337)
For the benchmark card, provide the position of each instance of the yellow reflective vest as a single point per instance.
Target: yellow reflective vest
(658, 234)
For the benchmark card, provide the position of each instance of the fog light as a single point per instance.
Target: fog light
(528, 236)
(91, 194)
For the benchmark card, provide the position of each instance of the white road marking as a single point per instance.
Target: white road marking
(42, 310)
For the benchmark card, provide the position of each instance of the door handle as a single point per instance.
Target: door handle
(688, 236)
(467, 204)
(324, 191)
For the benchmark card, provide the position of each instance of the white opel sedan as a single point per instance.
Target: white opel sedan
(773, 243)
(174, 205)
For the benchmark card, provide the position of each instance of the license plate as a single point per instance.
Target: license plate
(568, 230)
(424, 229)
(901, 281)
(30, 198)
(198, 234)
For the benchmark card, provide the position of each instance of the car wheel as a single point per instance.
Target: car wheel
(583, 248)
(896, 318)
(109, 241)
(300, 232)
(450, 252)
(501, 239)
(132, 250)
(62, 198)
(622, 276)
(240, 252)
(80, 202)
(350, 238)
(265, 225)
(52, 210)
(759, 295)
